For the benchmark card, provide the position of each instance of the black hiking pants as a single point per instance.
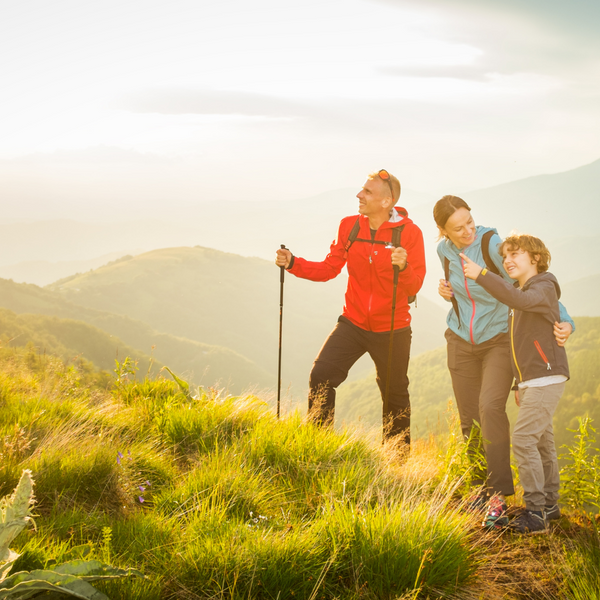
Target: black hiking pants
(344, 346)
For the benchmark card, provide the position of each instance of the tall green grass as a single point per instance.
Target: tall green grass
(213, 497)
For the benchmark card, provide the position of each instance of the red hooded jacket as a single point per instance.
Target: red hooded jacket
(370, 271)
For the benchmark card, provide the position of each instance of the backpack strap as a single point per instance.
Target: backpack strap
(485, 250)
(353, 234)
(397, 236)
(447, 278)
(396, 239)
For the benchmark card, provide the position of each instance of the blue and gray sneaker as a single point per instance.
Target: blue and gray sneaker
(495, 517)
(552, 513)
(529, 521)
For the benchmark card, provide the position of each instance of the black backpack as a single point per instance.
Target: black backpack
(396, 237)
(485, 250)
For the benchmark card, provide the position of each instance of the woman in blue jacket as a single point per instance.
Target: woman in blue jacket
(479, 345)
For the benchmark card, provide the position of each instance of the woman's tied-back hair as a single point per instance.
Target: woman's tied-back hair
(445, 208)
(528, 243)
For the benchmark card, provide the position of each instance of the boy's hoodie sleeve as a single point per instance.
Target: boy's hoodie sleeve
(539, 298)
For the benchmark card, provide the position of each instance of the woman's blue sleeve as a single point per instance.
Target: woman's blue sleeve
(564, 316)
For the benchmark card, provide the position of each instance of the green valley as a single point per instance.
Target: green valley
(204, 363)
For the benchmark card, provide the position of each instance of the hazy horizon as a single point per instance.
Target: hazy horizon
(125, 109)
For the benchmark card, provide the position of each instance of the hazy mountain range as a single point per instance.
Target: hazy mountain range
(212, 314)
(209, 315)
(561, 208)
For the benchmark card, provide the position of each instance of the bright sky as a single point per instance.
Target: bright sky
(152, 102)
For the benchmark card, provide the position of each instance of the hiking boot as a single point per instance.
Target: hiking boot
(529, 521)
(552, 513)
(495, 517)
(477, 504)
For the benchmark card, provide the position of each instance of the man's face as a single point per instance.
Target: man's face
(374, 197)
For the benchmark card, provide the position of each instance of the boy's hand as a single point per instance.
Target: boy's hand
(470, 268)
(517, 398)
(562, 331)
(445, 289)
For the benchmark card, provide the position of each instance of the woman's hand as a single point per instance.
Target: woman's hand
(562, 331)
(517, 398)
(445, 290)
(471, 269)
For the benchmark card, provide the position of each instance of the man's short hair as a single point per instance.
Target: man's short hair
(395, 184)
(531, 244)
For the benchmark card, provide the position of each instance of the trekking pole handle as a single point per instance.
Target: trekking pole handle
(282, 272)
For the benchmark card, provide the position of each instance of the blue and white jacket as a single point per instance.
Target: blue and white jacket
(481, 316)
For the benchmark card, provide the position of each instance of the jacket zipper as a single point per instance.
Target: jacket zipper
(541, 353)
(370, 285)
(473, 303)
(512, 342)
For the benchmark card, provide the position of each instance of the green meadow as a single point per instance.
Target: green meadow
(210, 496)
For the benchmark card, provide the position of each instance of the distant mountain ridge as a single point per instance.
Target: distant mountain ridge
(203, 363)
(227, 300)
(581, 296)
(558, 205)
(561, 208)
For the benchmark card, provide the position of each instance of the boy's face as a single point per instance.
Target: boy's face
(519, 264)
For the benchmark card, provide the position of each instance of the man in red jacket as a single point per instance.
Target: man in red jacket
(365, 322)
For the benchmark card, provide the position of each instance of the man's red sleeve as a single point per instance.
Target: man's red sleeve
(333, 263)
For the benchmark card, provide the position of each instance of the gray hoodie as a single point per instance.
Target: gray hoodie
(534, 309)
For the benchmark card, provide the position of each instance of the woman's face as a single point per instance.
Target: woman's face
(460, 228)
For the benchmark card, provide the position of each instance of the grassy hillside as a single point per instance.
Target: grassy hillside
(431, 388)
(203, 363)
(72, 341)
(215, 498)
(227, 300)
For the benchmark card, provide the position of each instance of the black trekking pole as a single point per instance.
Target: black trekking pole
(281, 279)
(391, 347)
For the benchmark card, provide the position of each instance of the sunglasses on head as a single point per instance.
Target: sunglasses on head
(383, 174)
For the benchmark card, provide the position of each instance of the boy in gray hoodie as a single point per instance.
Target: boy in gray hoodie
(540, 368)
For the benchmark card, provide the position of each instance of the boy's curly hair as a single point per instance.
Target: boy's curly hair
(528, 243)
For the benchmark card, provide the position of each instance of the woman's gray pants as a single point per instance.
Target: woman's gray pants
(482, 378)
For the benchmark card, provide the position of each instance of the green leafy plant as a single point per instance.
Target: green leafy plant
(126, 370)
(70, 578)
(581, 475)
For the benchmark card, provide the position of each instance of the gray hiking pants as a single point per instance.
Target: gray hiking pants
(481, 378)
(533, 445)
